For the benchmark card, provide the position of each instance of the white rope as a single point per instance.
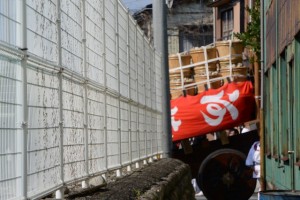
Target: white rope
(230, 57)
(206, 66)
(181, 71)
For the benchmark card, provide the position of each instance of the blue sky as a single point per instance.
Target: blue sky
(136, 4)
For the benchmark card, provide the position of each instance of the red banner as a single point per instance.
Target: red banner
(212, 110)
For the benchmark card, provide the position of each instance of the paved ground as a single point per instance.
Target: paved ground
(254, 197)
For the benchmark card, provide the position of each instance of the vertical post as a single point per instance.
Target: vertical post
(24, 123)
(84, 183)
(214, 24)
(158, 142)
(59, 194)
(137, 164)
(151, 121)
(119, 172)
(145, 101)
(129, 94)
(261, 121)
(105, 85)
(161, 45)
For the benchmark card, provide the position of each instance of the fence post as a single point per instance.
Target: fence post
(105, 87)
(145, 101)
(129, 95)
(151, 124)
(156, 97)
(85, 184)
(118, 172)
(60, 192)
(137, 164)
(24, 123)
(161, 44)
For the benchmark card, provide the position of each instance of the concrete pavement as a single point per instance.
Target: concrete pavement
(253, 197)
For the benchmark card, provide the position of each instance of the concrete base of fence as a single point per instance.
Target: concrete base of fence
(162, 179)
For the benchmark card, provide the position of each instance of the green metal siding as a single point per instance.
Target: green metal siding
(296, 118)
(282, 109)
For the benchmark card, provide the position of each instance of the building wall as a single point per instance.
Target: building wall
(281, 36)
(173, 40)
(189, 25)
(240, 15)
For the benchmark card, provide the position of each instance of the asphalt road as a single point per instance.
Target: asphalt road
(254, 197)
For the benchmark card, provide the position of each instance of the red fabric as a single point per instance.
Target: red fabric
(212, 110)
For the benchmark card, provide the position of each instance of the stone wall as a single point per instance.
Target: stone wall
(177, 185)
(160, 180)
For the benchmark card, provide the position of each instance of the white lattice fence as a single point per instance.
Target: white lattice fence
(80, 94)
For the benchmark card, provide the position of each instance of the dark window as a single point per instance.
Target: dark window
(195, 36)
(227, 24)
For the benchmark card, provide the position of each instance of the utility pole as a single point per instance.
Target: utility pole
(161, 46)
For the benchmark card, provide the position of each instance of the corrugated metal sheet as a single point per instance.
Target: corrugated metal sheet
(281, 99)
(271, 34)
(296, 111)
(289, 20)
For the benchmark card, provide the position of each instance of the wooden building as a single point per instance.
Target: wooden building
(230, 17)
(190, 24)
(281, 57)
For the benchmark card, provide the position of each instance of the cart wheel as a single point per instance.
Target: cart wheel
(224, 176)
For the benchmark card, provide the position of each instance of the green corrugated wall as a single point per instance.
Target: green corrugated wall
(281, 99)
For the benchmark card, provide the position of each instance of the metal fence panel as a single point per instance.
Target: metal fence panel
(154, 133)
(142, 133)
(10, 22)
(96, 136)
(123, 35)
(133, 61)
(10, 128)
(124, 133)
(159, 132)
(153, 80)
(94, 41)
(149, 126)
(141, 68)
(43, 135)
(110, 49)
(95, 109)
(134, 133)
(71, 35)
(158, 78)
(43, 38)
(73, 137)
(112, 132)
(147, 79)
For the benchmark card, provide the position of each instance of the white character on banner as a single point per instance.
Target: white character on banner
(175, 124)
(217, 110)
